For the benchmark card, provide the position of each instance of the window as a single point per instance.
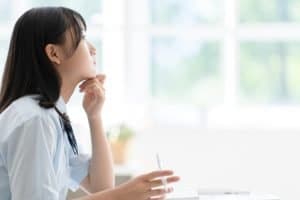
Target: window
(216, 64)
(201, 63)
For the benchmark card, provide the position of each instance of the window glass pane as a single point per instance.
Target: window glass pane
(269, 10)
(88, 9)
(185, 71)
(176, 12)
(270, 72)
(3, 54)
(5, 11)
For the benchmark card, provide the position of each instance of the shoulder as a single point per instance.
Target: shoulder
(24, 111)
(25, 108)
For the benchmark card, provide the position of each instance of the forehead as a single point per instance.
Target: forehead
(75, 31)
(74, 35)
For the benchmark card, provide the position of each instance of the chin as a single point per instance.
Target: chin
(89, 75)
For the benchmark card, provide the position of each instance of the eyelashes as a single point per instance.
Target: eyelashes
(83, 34)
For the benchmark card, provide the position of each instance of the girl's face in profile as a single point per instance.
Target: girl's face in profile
(81, 65)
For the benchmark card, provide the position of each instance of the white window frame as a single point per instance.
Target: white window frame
(229, 116)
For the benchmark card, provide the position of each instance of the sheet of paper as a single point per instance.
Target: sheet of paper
(183, 194)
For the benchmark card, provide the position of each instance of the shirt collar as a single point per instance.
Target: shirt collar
(61, 105)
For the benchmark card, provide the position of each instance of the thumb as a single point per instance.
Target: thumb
(101, 77)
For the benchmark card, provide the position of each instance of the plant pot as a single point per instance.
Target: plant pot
(120, 150)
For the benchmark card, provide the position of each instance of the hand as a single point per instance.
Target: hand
(94, 95)
(147, 186)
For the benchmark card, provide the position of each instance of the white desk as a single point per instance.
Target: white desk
(227, 197)
(238, 197)
(218, 195)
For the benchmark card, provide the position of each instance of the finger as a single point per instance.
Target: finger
(87, 82)
(91, 83)
(157, 192)
(101, 77)
(158, 198)
(160, 191)
(157, 174)
(89, 87)
(94, 92)
(93, 87)
(159, 182)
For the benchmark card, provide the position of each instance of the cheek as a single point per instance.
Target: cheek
(87, 64)
(84, 64)
(83, 56)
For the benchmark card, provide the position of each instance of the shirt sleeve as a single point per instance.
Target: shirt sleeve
(30, 161)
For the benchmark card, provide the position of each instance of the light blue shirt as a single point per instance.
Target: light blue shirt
(36, 159)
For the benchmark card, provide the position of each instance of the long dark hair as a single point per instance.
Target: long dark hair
(28, 70)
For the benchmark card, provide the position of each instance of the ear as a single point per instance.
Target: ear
(52, 51)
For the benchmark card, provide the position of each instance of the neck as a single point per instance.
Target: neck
(67, 90)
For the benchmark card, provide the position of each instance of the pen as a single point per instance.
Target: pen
(164, 181)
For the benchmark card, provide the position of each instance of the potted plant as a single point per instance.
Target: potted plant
(120, 137)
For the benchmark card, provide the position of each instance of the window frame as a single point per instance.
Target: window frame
(235, 116)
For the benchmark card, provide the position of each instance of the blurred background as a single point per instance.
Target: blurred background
(212, 85)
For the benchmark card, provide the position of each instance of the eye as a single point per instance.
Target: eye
(83, 35)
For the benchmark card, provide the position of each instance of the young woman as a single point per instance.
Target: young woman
(39, 158)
